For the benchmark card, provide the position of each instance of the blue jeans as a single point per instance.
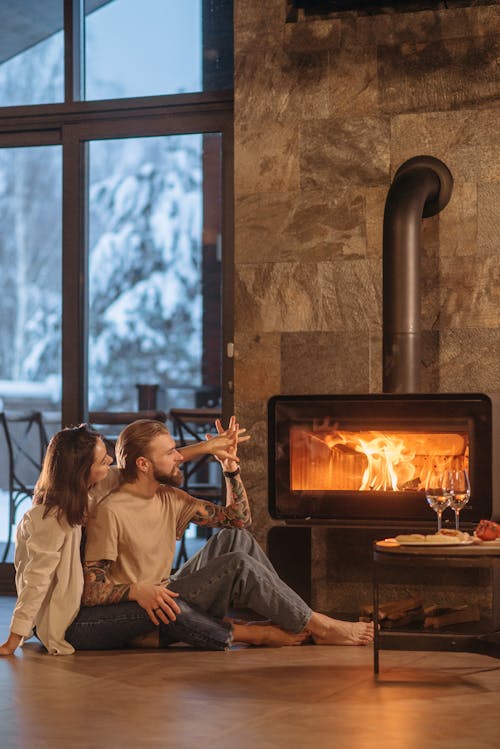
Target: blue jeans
(115, 625)
(231, 570)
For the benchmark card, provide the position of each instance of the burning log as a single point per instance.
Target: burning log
(370, 460)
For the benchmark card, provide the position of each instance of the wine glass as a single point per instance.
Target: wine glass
(460, 492)
(438, 492)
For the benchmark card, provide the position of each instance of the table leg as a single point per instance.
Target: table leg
(375, 621)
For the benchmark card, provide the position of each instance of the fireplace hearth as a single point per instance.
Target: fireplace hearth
(361, 460)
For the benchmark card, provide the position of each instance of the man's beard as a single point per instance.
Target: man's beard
(174, 478)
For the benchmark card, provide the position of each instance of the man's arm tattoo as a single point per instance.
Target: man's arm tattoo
(236, 514)
(98, 589)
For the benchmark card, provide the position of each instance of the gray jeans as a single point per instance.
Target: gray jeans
(231, 570)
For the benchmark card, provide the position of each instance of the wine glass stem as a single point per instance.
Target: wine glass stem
(439, 513)
(456, 519)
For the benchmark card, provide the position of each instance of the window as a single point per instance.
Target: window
(147, 265)
(143, 49)
(31, 53)
(30, 282)
(116, 211)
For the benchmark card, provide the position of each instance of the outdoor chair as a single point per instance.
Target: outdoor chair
(26, 441)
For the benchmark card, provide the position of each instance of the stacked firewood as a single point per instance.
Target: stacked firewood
(395, 614)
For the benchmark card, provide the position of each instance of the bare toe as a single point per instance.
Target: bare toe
(337, 632)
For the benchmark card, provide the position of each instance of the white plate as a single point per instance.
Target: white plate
(437, 542)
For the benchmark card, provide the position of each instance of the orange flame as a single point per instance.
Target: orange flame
(328, 459)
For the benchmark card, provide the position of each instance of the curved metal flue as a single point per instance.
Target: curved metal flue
(422, 187)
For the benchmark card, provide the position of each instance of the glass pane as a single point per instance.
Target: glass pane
(30, 301)
(157, 47)
(31, 53)
(154, 277)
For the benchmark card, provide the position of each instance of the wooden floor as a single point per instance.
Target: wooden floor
(248, 698)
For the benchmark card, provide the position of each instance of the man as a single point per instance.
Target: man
(131, 544)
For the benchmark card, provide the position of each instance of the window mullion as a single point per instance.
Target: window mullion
(74, 51)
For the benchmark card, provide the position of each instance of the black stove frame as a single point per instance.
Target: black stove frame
(478, 413)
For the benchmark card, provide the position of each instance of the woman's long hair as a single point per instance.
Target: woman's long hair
(63, 481)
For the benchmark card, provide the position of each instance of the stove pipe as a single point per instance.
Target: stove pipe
(422, 187)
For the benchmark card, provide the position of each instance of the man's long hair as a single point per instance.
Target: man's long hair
(64, 479)
(134, 442)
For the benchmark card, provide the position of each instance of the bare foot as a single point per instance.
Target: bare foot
(328, 631)
(267, 634)
(151, 640)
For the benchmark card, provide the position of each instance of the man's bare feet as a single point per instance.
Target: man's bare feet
(267, 634)
(328, 631)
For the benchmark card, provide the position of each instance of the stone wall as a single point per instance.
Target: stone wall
(325, 111)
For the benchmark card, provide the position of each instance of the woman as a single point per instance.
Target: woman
(49, 576)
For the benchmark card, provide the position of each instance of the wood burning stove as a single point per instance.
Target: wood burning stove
(361, 460)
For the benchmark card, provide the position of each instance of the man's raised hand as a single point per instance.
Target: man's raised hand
(156, 600)
(224, 446)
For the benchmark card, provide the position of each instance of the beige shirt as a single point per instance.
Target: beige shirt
(49, 578)
(138, 535)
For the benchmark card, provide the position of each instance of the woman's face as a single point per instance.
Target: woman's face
(100, 467)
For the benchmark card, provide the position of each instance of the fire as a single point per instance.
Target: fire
(329, 459)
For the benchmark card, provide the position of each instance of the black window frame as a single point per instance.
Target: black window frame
(71, 125)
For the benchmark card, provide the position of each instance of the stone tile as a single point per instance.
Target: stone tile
(257, 365)
(469, 360)
(309, 296)
(261, 91)
(353, 74)
(253, 416)
(469, 293)
(258, 16)
(308, 226)
(430, 280)
(375, 198)
(267, 164)
(307, 75)
(352, 151)
(273, 82)
(475, 164)
(324, 363)
(375, 367)
(436, 25)
(458, 222)
(312, 35)
(488, 218)
(441, 130)
(444, 74)
(464, 140)
(275, 296)
(429, 373)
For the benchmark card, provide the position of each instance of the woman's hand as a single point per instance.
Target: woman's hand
(9, 646)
